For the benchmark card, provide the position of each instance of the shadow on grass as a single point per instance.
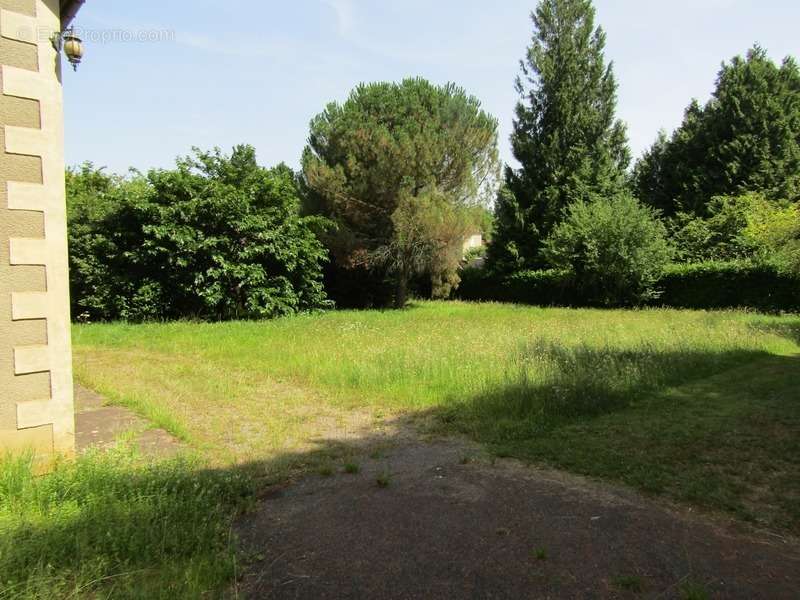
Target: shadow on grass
(786, 328)
(676, 423)
(719, 431)
(555, 385)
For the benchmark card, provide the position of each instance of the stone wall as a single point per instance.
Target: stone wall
(36, 405)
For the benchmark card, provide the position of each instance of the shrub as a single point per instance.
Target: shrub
(543, 288)
(717, 237)
(711, 285)
(614, 250)
(216, 238)
(774, 230)
(707, 285)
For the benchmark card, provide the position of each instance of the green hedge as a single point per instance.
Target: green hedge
(545, 288)
(729, 285)
(707, 285)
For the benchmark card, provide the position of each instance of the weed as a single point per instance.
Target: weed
(693, 590)
(631, 583)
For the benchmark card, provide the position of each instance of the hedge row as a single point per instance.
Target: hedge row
(707, 285)
(728, 285)
(543, 288)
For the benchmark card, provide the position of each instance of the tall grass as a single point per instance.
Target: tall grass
(581, 389)
(434, 353)
(108, 525)
(550, 383)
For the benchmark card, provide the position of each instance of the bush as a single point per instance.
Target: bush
(543, 288)
(708, 285)
(216, 238)
(614, 249)
(742, 284)
(774, 230)
(719, 236)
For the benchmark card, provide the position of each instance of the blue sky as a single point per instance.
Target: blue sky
(256, 72)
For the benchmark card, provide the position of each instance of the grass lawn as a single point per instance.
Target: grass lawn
(109, 526)
(700, 407)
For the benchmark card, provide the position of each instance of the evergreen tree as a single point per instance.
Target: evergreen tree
(566, 137)
(746, 138)
(402, 169)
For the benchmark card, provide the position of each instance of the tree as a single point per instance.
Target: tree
(773, 229)
(97, 271)
(718, 235)
(745, 139)
(374, 163)
(565, 137)
(615, 249)
(218, 237)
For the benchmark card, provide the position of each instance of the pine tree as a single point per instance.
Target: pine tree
(395, 166)
(566, 137)
(745, 139)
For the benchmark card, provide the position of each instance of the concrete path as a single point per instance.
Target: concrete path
(444, 527)
(445, 523)
(98, 425)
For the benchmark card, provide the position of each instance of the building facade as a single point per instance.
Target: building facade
(36, 404)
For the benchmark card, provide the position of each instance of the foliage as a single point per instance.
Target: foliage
(549, 287)
(429, 233)
(565, 135)
(485, 223)
(108, 525)
(97, 284)
(719, 235)
(746, 138)
(614, 249)
(218, 237)
(472, 255)
(774, 230)
(745, 284)
(748, 226)
(700, 285)
(373, 162)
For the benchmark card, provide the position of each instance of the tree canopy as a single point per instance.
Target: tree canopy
(566, 137)
(381, 164)
(217, 237)
(745, 139)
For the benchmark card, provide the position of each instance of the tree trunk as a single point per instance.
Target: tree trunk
(401, 290)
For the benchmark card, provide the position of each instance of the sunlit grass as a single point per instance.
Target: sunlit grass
(701, 407)
(635, 387)
(425, 356)
(109, 525)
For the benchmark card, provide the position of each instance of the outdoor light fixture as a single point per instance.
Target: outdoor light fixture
(71, 44)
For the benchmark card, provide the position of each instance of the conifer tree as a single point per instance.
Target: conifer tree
(745, 139)
(402, 169)
(566, 137)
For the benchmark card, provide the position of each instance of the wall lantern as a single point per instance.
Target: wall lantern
(72, 46)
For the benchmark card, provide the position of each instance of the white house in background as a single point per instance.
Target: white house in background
(473, 241)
